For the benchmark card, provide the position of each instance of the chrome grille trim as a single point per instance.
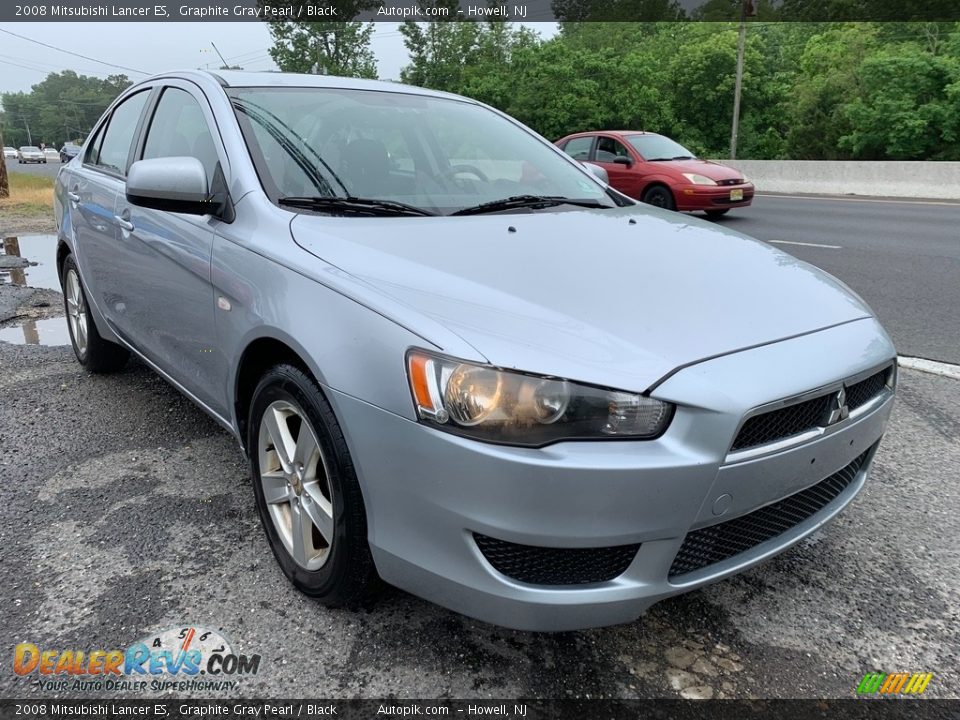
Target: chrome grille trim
(821, 429)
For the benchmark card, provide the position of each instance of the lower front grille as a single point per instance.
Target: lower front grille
(723, 541)
(555, 566)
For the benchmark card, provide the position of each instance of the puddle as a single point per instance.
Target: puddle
(41, 249)
(50, 331)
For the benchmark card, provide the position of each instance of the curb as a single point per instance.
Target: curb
(930, 366)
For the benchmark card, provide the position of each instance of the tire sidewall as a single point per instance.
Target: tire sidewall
(282, 384)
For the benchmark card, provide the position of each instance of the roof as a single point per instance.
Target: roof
(241, 79)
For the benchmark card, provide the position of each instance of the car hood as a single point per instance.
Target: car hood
(708, 168)
(613, 297)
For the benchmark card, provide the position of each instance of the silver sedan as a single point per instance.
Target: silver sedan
(457, 361)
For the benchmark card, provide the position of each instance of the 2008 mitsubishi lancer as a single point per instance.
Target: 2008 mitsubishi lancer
(457, 361)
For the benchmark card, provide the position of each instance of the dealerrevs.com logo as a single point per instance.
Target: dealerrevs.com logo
(178, 659)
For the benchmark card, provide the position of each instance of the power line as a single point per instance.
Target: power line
(53, 67)
(7, 62)
(69, 52)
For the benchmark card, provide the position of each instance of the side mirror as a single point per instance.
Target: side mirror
(598, 172)
(175, 184)
(621, 160)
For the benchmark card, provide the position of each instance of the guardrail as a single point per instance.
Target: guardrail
(881, 178)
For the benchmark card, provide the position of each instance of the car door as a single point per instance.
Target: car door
(92, 191)
(620, 164)
(169, 301)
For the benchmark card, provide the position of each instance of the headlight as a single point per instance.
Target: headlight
(515, 408)
(699, 179)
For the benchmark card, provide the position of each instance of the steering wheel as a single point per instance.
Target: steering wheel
(470, 170)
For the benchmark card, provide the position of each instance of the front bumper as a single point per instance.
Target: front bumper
(712, 197)
(428, 493)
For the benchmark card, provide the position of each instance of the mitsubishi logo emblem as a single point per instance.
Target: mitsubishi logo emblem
(838, 407)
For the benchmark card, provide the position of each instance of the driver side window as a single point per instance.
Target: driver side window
(609, 149)
(179, 129)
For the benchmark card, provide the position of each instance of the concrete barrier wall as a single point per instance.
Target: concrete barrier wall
(839, 177)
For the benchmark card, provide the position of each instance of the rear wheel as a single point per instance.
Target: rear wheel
(92, 351)
(659, 196)
(306, 490)
(716, 213)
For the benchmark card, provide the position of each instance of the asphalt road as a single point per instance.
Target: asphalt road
(902, 257)
(49, 169)
(125, 511)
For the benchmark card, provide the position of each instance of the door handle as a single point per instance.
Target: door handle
(123, 223)
(74, 197)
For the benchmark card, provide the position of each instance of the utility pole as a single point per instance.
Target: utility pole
(746, 8)
(225, 65)
(4, 180)
(27, 125)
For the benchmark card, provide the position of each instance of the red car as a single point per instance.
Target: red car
(656, 170)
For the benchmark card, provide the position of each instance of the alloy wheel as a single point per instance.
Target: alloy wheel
(294, 478)
(77, 311)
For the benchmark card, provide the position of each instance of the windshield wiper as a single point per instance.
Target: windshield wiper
(353, 205)
(684, 157)
(527, 201)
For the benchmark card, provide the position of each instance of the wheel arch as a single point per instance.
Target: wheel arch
(63, 249)
(259, 355)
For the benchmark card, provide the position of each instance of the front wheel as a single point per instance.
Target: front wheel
(659, 196)
(306, 490)
(92, 351)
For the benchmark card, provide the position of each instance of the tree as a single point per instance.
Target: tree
(63, 106)
(340, 47)
(905, 111)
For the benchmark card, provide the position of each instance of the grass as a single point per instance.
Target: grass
(30, 196)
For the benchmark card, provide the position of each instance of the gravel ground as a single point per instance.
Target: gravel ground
(124, 511)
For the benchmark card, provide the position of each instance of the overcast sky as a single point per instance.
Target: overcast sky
(158, 47)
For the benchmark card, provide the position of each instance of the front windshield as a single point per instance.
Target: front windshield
(437, 154)
(658, 147)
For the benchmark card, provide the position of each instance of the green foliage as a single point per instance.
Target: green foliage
(810, 90)
(339, 47)
(64, 106)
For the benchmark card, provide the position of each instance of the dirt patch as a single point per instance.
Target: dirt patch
(23, 303)
(23, 221)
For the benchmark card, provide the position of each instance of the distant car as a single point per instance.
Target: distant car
(51, 154)
(10, 153)
(68, 152)
(29, 154)
(659, 171)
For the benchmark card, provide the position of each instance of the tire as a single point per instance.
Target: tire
(334, 565)
(93, 352)
(659, 196)
(716, 213)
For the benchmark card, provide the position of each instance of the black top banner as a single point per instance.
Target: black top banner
(473, 10)
(505, 709)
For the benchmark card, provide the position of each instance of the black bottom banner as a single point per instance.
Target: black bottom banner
(852, 709)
